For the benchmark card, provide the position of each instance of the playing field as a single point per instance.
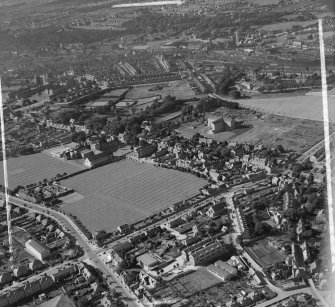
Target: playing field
(126, 191)
(305, 106)
(179, 89)
(29, 169)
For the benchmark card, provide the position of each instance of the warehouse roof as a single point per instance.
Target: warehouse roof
(37, 246)
(59, 301)
(217, 271)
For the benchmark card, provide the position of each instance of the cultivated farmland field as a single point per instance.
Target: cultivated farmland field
(126, 191)
(29, 169)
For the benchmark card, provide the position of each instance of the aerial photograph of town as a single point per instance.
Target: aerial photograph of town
(167, 153)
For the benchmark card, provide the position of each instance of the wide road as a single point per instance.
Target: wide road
(72, 228)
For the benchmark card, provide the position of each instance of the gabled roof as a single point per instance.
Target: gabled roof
(59, 301)
(97, 158)
(35, 264)
(5, 277)
(217, 208)
(37, 246)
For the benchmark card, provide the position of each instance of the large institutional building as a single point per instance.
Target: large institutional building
(220, 124)
(204, 251)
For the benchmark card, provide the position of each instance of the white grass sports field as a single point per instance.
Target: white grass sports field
(29, 169)
(126, 191)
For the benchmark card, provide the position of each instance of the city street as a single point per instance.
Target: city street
(177, 152)
(91, 254)
(281, 293)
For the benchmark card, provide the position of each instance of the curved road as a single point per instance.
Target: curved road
(128, 297)
(281, 293)
(72, 228)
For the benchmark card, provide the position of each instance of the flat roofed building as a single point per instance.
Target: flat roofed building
(148, 261)
(226, 267)
(37, 249)
(204, 251)
(222, 274)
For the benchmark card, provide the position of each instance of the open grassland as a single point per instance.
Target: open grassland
(29, 169)
(127, 191)
(287, 25)
(293, 133)
(304, 106)
(188, 130)
(180, 89)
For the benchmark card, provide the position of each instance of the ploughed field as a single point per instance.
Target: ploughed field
(125, 192)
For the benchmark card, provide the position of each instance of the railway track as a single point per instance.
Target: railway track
(318, 150)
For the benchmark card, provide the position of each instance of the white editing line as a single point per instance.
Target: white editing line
(5, 175)
(327, 146)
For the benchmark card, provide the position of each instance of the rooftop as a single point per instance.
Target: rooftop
(225, 266)
(99, 104)
(37, 246)
(147, 259)
(99, 157)
(217, 271)
(59, 301)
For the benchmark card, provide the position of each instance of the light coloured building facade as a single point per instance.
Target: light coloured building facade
(204, 251)
(38, 250)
